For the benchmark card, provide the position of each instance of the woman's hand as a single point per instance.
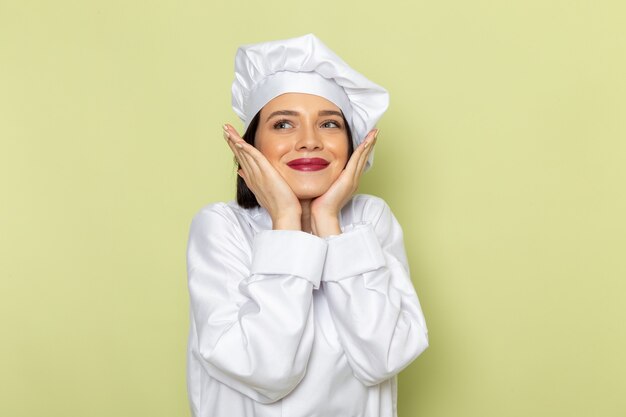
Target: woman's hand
(325, 208)
(268, 186)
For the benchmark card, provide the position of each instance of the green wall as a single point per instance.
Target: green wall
(503, 154)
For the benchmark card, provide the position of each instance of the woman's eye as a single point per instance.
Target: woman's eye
(330, 124)
(282, 124)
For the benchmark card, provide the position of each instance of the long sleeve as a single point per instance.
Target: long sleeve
(251, 304)
(373, 303)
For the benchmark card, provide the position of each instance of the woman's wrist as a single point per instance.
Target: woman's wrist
(292, 221)
(325, 225)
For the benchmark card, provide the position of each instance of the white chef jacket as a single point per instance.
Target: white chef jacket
(287, 324)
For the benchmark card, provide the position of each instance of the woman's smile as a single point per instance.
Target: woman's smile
(308, 164)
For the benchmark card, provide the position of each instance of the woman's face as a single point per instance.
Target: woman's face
(305, 138)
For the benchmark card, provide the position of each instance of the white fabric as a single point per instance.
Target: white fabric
(284, 323)
(304, 64)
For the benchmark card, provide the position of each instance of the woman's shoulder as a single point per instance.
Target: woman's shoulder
(368, 199)
(228, 208)
(368, 202)
(364, 208)
(226, 213)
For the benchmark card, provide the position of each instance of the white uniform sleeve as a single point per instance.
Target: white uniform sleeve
(251, 308)
(372, 300)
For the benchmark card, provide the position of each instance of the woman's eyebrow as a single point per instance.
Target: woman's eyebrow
(282, 113)
(295, 113)
(330, 113)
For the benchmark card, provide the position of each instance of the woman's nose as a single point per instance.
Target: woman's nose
(309, 139)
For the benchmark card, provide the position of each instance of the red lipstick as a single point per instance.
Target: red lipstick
(308, 164)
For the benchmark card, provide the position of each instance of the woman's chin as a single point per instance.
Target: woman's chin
(309, 193)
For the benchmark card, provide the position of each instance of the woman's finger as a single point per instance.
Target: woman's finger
(247, 171)
(367, 153)
(252, 156)
(353, 162)
(237, 148)
(368, 145)
(256, 161)
(231, 134)
(256, 170)
(233, 148)
(237, 144)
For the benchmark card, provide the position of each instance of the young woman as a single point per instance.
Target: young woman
(301, 299)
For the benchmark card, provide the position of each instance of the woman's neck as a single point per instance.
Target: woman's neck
(305, 219)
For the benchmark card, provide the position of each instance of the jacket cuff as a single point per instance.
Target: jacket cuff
(353, 253)
(289, 252)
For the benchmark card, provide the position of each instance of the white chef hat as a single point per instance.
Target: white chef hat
(266, 70)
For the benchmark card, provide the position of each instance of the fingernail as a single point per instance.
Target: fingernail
(376, 134)
(239, 145)
(366, 144)
(225, 127)
(226, 135)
